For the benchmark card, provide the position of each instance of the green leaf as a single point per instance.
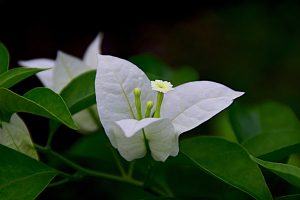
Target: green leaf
(78, 95)
(289, 173)
(265, 118)
(294, 159)
(95, 146)
(274, 145)
(192, 183)
(13, 76)
(152, 66)
(80, 92)
(16, 136)
(289, 197)
(96, 151)
(270, 130)
(155, 68)
(39, 101)
(4, 59)
(183, 75)
(22, 177)
(229, 162)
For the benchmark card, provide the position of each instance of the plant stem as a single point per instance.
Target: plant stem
(60, 182)
(53, 129)
(118, 162)
(159, 100)
(131, 168)
(89, 172)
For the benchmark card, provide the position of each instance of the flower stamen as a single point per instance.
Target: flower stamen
(149, 106)
(137, 98)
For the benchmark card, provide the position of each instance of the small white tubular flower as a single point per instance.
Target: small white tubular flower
(186, 107)
(63, 70)
(161, 86)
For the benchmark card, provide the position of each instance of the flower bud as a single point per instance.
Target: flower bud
(137, 98)
(149, 106)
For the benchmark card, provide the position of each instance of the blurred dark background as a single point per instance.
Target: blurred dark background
(251, 46)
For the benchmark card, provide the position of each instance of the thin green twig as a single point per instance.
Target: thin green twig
(60, 182)
(130, 169)
(88, 172)
(118, 162)
(81, 171)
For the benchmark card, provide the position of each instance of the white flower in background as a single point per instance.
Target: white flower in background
(125, 99)
(63, 70)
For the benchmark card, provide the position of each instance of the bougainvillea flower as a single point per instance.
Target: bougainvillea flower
(125, 97)
(63, 70)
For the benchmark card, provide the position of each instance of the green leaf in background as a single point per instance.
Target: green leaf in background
(192, 183)
(289, 197)
(96, 146)
(274, 145)
(15, 135)
(289, 173)
(78, 95)
(157, 69)
(183, 75)
(245, 123)
(13, 76)
(294, 159)
(152, 66)
(4, 59)
(267, 117)
(22, 177)
(39, 101)
(229, 162)
(221, 126)
(80, 92)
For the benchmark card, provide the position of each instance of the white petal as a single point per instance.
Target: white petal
(115, 81)
(132, 147)
(66, 68)
(16, 136)
(132, 126)
(160, 133)
(193, 103)
(46, 77)
(162, 139)
(85, 120)
(90, 55)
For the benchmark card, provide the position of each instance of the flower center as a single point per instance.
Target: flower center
(161, 87)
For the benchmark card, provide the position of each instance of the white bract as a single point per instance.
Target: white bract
(63, 70)
(14, 134)
(124, 94)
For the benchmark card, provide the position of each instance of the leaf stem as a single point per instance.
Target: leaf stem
(60, 182)
(131, 168)
(118, 162)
